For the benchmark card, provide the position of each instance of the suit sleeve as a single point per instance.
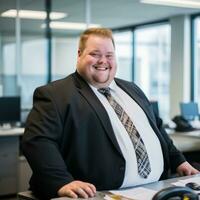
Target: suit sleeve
(40, 145)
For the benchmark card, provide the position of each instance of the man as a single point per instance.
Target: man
(76, 141)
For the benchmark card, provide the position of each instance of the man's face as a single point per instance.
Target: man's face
(97, 63)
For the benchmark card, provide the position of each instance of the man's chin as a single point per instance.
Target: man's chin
(100, 84)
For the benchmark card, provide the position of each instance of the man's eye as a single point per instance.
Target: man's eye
(95, 55)
(109, 56)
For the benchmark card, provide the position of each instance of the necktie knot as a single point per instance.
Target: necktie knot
(105, 91)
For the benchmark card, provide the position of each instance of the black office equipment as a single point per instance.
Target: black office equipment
(182, 124)
(189, 110)
(193, 185)
(175, 191)
(9, 110)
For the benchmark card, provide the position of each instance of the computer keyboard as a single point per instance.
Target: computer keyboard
(195, 133)
(195, 124)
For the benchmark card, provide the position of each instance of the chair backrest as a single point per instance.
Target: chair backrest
(189, 110)
(26, 195)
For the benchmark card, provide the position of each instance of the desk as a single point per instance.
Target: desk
(186, 141)
(11, 132)
(154, 186)
(9, 155)
(99, 196)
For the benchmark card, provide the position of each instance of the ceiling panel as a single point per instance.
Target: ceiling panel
(108, 13)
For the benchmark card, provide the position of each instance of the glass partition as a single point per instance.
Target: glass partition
(197, 60)
(33, 71)
(23, 50)
(65, 35)
(8, 73)
(124, 52)
(152, 64)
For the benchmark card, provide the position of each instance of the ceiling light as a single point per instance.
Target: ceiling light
(177, 3)
(69, 25)
(31, 14)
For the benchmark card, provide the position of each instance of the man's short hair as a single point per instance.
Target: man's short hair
(101, 32)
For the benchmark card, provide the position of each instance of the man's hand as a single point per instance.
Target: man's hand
(185, 169)
(77, 189)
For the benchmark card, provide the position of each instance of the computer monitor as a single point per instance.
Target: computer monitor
(189, 110)
(155, 107)
(9, 110)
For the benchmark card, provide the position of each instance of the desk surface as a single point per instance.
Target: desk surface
(100, 195)
(154, 186)
(11, 132)
(186, 141)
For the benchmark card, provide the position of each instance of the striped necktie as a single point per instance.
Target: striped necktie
(143, 163)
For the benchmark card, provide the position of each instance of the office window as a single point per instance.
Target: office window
(34, 68)
(65, 40)
(197, 59)
(33, 46)
(23, 53)
(64, 56)
(9, 84)
(152, 64)
(8, 72)
(124, 52)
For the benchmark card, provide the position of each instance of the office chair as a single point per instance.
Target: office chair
(26, 195)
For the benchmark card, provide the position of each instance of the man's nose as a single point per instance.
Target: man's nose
(102, 59)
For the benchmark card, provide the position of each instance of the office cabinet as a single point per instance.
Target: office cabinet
(9, 153)
(24, 174)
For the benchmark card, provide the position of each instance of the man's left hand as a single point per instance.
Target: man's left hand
(185, 169)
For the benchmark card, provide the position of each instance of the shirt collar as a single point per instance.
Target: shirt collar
(112, 86)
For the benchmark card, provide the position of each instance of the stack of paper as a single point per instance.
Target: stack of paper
(139, 193)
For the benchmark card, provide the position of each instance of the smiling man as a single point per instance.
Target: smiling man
(96, 60)
(92, 131)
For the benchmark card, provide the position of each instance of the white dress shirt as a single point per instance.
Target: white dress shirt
(147, 134)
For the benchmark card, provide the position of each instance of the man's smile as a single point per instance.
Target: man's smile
(101, 68)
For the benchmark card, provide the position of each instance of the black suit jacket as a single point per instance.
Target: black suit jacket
(69, 137)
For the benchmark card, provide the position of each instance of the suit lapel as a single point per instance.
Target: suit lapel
(128, 88)
(98, 108)
(133, 93)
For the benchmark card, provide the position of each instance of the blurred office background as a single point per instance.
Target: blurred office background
(157, 46)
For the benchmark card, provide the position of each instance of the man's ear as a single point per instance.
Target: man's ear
(79, 53)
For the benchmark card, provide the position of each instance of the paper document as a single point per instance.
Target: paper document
(139, 193)
(183, 182)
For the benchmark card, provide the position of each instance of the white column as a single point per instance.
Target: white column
(18, 45)
(180, 63)
(87, 13)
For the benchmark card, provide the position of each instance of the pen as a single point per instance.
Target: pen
(119, 197)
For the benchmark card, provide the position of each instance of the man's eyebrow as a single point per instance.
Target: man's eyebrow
(95, 51)
(110, 52)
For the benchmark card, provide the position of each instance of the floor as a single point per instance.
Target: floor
(8, 198)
